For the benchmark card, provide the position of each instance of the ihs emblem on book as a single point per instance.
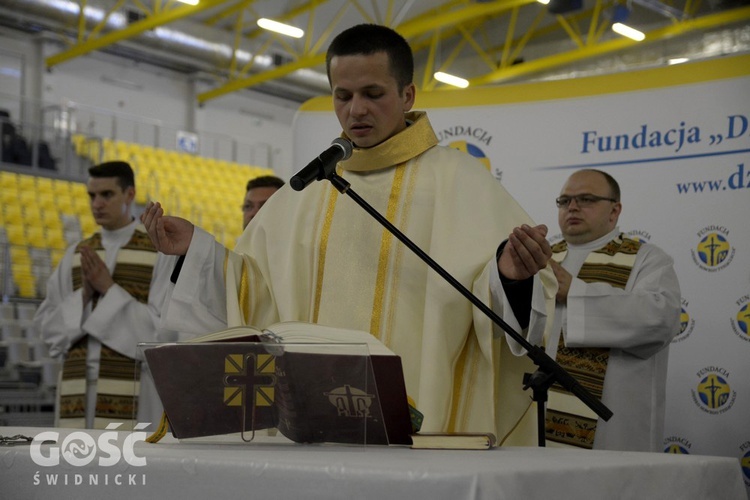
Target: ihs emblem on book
(350, 401)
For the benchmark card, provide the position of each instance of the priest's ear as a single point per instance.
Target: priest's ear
(408, 96)
(129, 194)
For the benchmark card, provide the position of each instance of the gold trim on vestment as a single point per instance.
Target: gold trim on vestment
(323, 247)
(385, 249)
(411, 184)
(417, 138)
(244, 292)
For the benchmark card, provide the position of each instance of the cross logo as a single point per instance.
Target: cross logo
(249, 382)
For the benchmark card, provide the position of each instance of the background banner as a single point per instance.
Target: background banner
(677, 139)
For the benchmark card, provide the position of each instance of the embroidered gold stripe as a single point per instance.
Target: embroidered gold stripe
(385, 248)
(323, 246)
(411, 184)
(244, 292)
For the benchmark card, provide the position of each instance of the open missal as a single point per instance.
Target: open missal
(311, 382)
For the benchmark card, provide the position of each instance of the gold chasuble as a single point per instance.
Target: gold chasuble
(568, 421)
(118, 381)
(317, 256)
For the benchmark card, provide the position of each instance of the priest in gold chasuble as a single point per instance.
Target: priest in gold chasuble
(316, 256)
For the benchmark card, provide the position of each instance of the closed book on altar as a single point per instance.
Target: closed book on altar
(454, 440)
(312, 383)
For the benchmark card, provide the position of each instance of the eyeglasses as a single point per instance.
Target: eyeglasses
(582, 200)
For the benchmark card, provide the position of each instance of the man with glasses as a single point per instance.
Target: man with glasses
(617, 310)
(258, 191)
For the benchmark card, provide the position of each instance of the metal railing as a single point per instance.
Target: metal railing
(54, 125)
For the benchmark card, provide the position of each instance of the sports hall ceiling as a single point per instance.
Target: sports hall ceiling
(487, 42)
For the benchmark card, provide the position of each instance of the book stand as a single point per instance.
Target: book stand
(308, 393)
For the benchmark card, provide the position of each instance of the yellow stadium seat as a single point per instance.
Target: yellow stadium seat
(78, 190)
(46, 202)
(36, 236)
(19, 254)
(43, 185)
(9, 196)
(28, 198)
(8, 181)
(26, 182)
(16, 234)
(61, 187)
(13, 213)
(81, 206)
(32, 215)
(88, 225)
(24, 280)
(51, 217)
(78, 140)
(65, 205)
(56, 239)
(92, 149)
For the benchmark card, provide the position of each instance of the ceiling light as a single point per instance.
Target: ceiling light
(189, 2)
(543, 2)
(629, 32)
(277, 27)
(451, 80)
(677, 60)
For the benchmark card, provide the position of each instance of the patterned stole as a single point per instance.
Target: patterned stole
(118, 383)
(569, 421)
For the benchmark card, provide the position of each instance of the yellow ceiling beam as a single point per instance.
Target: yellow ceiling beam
(415, 27)
(132, 30)
(424, 24)
(234, 9)
(272, 74)
(705, 22)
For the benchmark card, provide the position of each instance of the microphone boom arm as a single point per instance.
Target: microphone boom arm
(550, 370)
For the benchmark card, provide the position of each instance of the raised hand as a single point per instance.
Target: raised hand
(526, 253)
(170, 235)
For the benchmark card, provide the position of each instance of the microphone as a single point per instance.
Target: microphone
(322, 166)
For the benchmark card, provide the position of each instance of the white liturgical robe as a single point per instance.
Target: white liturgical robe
(118, 321)
(637, 323)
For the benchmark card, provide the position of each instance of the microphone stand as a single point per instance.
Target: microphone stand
(548, 372)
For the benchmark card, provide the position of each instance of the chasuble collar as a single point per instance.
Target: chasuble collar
(414, 140)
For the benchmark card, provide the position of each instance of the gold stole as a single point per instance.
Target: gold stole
(118, 383)
(569, 421)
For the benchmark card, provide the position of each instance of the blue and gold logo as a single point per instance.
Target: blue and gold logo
(745, 462)
(465, 138)
(639, 235)
(713, 394)
(741, 321)
(713, 252)
(473, 150)
(677, 445)
(687, 323)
